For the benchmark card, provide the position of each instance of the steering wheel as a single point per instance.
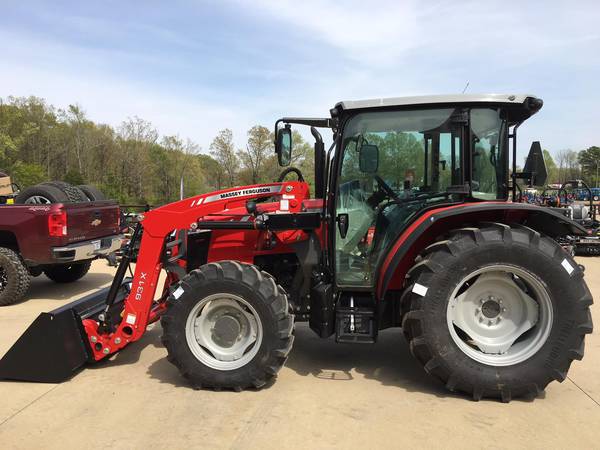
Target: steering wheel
(283, 174)
(386, 188)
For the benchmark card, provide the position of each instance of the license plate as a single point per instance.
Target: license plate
(97, 245)
(589, 241)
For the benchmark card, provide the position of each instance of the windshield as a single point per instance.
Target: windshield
(419, 151)
(419, 156)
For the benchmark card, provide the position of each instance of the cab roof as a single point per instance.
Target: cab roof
(525, 104)
(435, 99)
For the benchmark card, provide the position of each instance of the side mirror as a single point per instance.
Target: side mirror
(368, 158)
(283, 145)
(535, 165)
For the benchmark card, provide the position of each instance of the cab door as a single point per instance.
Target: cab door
(418, 156)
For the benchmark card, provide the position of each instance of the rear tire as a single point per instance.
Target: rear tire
(67, 273)
(468, 361)
(202, 357)
(14, 277)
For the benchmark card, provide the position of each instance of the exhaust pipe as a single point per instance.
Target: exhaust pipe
(55, 346)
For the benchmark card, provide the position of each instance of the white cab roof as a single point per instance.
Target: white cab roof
(435, 99)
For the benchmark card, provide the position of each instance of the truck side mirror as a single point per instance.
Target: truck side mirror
(283, 145)
(368, 158)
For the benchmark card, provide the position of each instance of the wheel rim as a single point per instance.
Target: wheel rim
(500, 315)
(37, 200)
(224, 331)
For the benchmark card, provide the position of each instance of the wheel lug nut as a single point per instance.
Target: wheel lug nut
(503, 309)
(489, 323)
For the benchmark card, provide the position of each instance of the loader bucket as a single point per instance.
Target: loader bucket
(54, 347)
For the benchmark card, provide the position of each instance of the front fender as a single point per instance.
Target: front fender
(435, 222)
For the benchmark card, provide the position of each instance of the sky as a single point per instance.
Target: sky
(193, 68)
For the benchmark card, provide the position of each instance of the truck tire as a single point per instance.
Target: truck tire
(74, 194)
(91, 193)
(14, 277)
(67, 273)
(228, 326)
(41, 194)
(497, 311)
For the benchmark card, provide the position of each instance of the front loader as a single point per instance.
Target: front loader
(411, 225)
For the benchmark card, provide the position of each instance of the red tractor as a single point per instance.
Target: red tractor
(410, 226)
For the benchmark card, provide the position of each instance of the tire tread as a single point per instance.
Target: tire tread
(438, 254)
(275, 299)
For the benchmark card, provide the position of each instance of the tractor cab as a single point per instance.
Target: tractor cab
(396, 157)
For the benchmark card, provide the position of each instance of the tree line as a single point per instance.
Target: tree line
(131, 163)
(568, 165)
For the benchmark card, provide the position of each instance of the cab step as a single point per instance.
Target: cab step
(355, 322)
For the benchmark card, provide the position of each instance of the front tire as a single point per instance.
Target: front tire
(228, 326)
(14, 277)
(67, 273)
(496, 312)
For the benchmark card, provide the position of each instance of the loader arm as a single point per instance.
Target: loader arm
(140, 306)
(60, 342)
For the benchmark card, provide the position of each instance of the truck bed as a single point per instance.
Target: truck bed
(27, 227)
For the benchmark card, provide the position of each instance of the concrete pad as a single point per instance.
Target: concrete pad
(327, 396)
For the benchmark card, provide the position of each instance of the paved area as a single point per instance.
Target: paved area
(327, 396)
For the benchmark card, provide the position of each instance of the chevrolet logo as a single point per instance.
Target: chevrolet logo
(96, 222)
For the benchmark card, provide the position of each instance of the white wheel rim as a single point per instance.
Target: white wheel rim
(224, 331)
(500, 315)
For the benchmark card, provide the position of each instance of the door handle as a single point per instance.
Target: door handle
(342, 221)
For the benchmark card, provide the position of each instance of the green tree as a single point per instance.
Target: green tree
(258, 149)
(590, 164)
(223, 150)
(214, 174)
(27, 174)
(73, 176)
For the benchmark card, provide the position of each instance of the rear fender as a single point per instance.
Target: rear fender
(436, 222)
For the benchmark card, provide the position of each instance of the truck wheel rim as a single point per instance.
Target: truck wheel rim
(224, 331)
(500, 315)
(37, 200)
